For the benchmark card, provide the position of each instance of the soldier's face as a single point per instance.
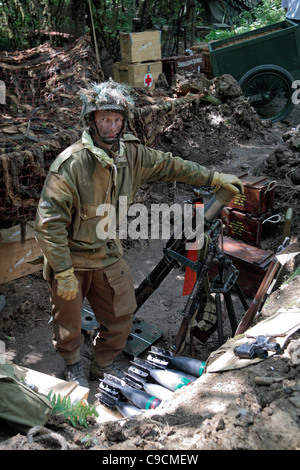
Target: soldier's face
(109, 125)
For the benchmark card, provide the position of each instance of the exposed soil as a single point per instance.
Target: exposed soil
(220, 411)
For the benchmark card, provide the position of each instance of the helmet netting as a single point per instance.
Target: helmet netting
(106, 96)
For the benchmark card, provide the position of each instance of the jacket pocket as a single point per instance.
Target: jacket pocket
(86, 231)
(88, 211)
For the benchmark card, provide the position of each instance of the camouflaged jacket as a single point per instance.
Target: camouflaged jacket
(84, 177)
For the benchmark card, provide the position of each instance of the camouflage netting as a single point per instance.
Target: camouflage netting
(39, 120)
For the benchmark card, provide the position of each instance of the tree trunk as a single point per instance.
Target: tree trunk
(77, 12)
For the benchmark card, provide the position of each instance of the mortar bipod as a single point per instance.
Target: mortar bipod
(223, 283)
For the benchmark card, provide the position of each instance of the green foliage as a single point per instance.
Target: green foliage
(269, 12)
(263, 15)
(76, 413)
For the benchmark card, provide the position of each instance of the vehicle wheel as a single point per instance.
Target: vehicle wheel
(269, 89)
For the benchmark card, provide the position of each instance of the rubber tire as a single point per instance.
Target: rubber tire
(278, 71)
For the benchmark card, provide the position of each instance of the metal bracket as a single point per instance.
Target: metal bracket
(195, 266)
(142, 335)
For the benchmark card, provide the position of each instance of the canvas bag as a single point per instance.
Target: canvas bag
(20, 406)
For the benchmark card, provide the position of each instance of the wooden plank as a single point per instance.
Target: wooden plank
(47, 383)
(13, 234)
(14, 255)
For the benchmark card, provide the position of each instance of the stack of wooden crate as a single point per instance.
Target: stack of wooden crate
(246, 214)
(140, 63)
(244, 220)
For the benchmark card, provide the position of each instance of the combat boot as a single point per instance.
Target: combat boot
(74, 373)
(97, 372)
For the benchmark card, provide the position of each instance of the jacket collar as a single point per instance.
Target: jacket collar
(101, 155)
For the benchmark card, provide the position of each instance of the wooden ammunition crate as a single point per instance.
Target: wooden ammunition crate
(191, 63)
(140, 47)
(251, 262)
(245, 226)
(258, 195)
(137, 75)
(14, 255)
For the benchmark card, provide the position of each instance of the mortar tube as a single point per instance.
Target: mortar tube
(221, 198)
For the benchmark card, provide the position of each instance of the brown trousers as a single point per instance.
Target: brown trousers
(110, 292)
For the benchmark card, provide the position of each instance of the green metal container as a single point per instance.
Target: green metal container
(277, 44)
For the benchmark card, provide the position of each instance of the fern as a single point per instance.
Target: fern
(75, 413)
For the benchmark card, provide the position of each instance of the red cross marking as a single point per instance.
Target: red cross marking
(148, 79)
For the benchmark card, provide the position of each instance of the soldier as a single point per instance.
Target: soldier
(79, 262)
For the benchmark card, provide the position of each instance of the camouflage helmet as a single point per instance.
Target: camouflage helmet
(106, 96)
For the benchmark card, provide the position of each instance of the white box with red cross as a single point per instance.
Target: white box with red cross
(139, 74)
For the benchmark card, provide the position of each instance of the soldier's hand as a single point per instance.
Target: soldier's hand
(230, 182)
(67, 284)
